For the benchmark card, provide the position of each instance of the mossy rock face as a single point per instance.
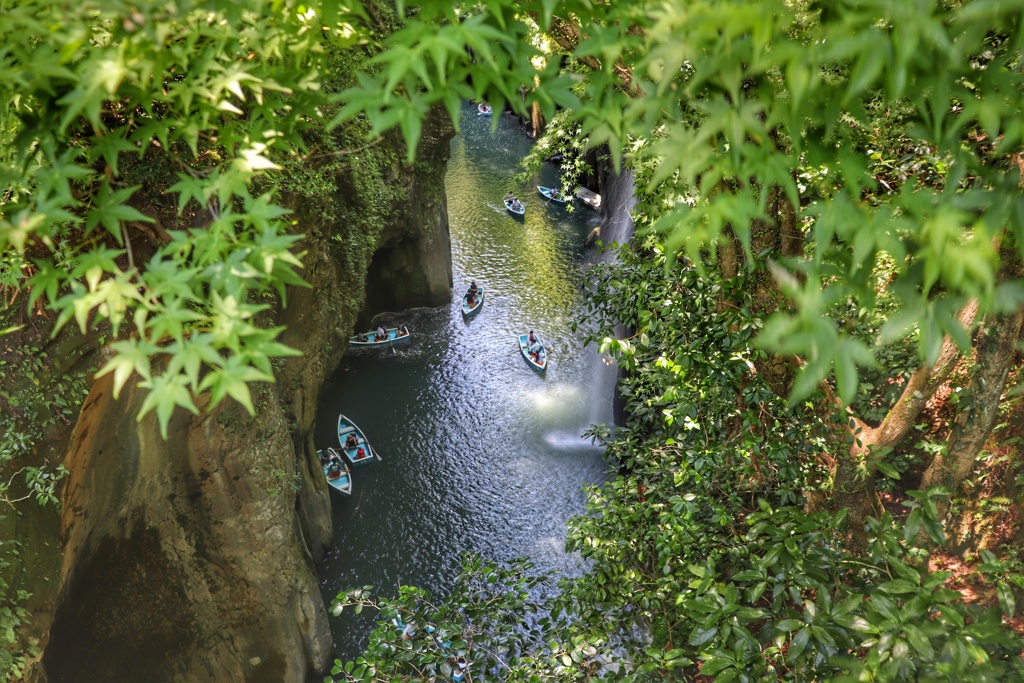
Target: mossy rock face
(385, 221)
(412, 265)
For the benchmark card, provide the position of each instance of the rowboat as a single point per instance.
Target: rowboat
(467, 309)
(394, 336)
(554, 194)
(541, 364)
(510, 205)
(484, 109)
(589, 197)
(357, 451)
(341, 479)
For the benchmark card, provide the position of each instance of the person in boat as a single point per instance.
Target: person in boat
(381, 334)
(401, 331)
(534, 347)
(325, 457)
(361, 453)
(473, 289)
(351, 441)
(334, 469)
(509, 197)
(516, 204)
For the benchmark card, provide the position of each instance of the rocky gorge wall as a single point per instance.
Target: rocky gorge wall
(412, 265)
(193, 558)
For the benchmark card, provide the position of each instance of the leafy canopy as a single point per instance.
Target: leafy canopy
(162, 119)
(727, 101)
(730, 101)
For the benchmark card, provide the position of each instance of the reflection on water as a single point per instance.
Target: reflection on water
(480, 452)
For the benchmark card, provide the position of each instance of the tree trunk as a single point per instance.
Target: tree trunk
(996, 344)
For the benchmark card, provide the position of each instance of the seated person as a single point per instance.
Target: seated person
(325, 457)
(509, 197)
(381, 334)
(334, 470)
(473, 289)
(361, 453)
(351, 441)
(516, 204)
(401, 331)
(535, 350)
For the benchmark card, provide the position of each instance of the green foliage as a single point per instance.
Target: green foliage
(34, 402)
(707, 555)
(693, 373)
(562, 136)
(499, 621)
(11, 617)
(91, 96)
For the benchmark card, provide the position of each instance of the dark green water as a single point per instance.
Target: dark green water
(480, 452)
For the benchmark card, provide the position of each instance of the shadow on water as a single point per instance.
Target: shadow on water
(480, 453)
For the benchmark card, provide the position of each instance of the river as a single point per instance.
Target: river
(480, 453)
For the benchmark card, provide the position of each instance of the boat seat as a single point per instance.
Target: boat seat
(346, 430)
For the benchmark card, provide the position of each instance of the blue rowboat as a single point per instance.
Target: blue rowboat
(357, 451)
(510, 204)
(540, 364)
(395, 335)
(484, 109)
(554, 194)
(474, 308)
(589, 197)
(340, 479)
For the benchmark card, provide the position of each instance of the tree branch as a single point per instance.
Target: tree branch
(920, 388)
(853, 484)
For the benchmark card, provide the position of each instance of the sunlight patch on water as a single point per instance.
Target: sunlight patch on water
(569, 441)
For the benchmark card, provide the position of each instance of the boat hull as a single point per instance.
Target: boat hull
(468, 310)
(485, 109)
(524, 345)
(553, 194)
(393, 338)
(518, 212)
(346, 427)
(589, 197)
(341, 483)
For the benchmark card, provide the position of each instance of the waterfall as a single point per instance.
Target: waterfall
(619, 201)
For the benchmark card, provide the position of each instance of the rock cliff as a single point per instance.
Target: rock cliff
(193, 558)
